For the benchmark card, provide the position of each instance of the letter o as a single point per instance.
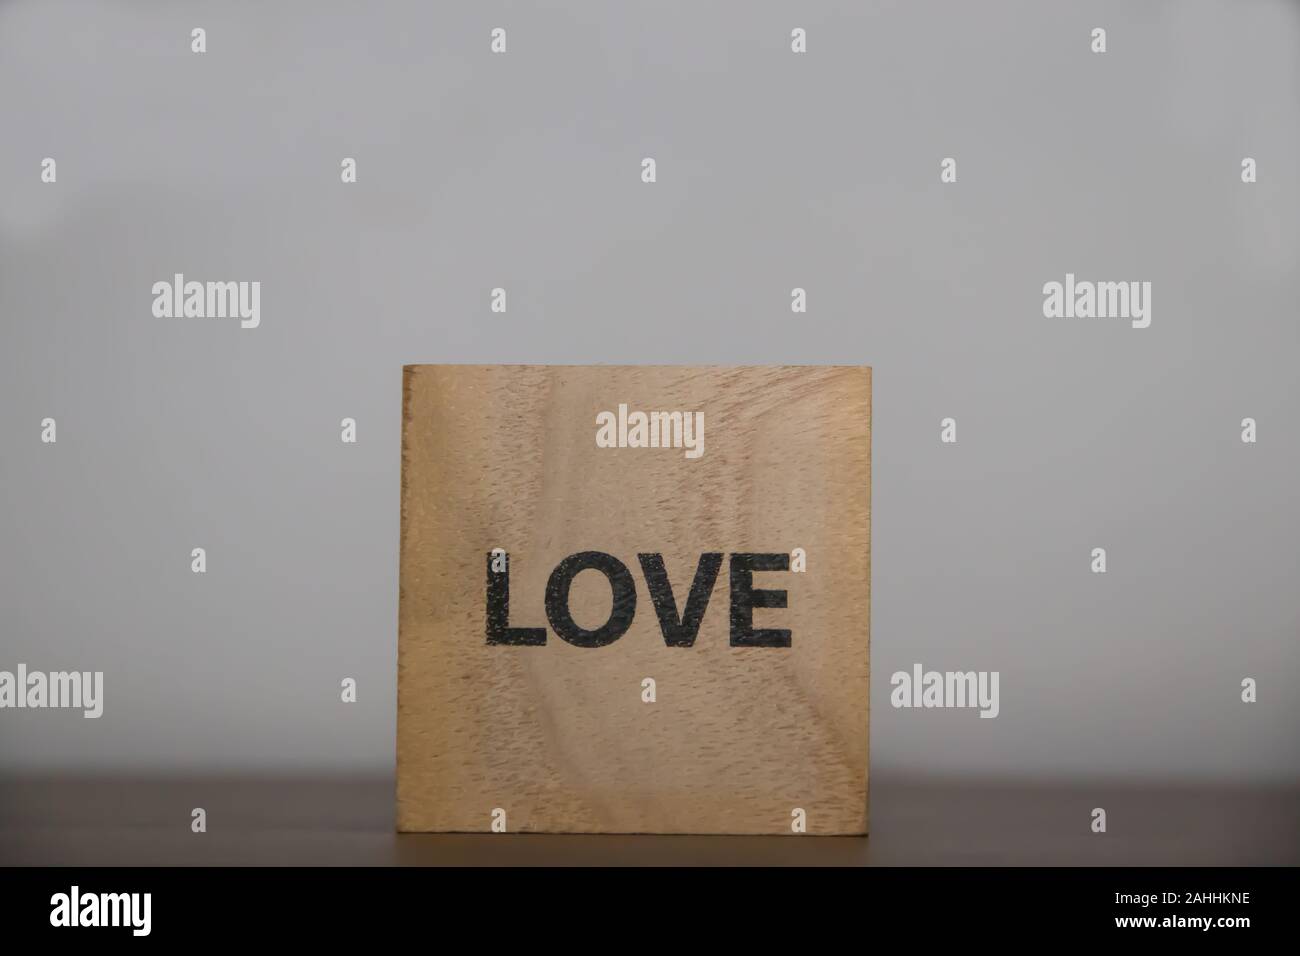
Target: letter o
(620, 583)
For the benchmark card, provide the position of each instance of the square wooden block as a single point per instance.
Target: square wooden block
(634, 599)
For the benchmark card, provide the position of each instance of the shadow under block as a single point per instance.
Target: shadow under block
(558, 737)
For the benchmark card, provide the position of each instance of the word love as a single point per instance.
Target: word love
(679, 630)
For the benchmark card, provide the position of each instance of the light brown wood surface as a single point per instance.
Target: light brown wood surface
(558, 736)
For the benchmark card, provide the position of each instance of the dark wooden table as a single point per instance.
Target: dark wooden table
(322, 820)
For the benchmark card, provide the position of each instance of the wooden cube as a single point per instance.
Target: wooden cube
(634, 599)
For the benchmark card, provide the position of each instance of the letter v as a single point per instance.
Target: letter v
(680, 632)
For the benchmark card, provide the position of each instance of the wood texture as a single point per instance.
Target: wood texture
(558, 736)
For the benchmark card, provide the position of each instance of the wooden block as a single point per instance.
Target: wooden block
(493, 724)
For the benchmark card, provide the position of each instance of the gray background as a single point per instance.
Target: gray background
(775, 171)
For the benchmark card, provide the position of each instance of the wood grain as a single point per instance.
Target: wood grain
(558, 735)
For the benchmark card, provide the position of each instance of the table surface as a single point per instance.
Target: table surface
(348, 820)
